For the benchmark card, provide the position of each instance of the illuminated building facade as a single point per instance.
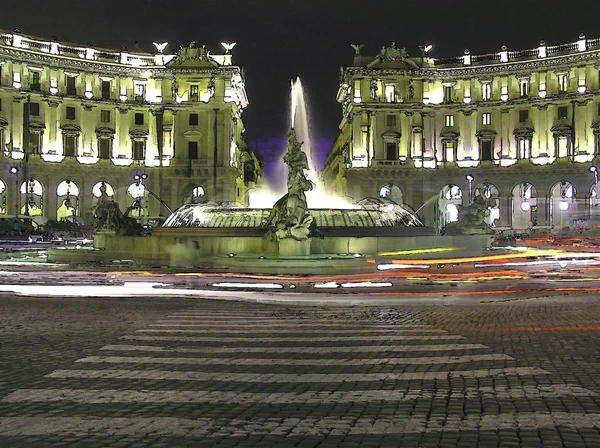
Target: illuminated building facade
(77, 119)
(520, 128)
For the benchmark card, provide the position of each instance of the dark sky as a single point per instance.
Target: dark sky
(277, 40)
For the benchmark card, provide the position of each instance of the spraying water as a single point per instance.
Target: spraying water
(317, 198)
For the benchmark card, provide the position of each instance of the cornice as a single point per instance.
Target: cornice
(520, 68)
(107, 68)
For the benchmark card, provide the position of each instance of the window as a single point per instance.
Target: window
(598, 109)
(105, 90)
(485, 147)
(390, 93)
(193, 150)
(140, 92)
(69, 145)
(449, 121)
(34, 109)
(449, 151)
(390, 121)
(524, 85)
(562, 113)
(448, 94)
(563, 146)
(524, 148)
(523, 116)
(194, 92)
(486, 118)
(70, 113)
(486, 91)
(391, 151)
(71, 88)
(105, 116)
(139, 149)
(35, 142)
(104, 148)
(139, 119)
(34, 80)
(562, 82)
(193, 120)
(0, 104)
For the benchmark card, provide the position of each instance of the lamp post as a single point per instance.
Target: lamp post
(15, 172)
(594, 170)
(470, 180)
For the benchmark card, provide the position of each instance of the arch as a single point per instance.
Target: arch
(97, 192)
(490, 191)
(67, 187)
(450, 198)
(32, 197)
(524, 206)
(563, 205)
(193, 193)
(392, 192)
(3, 198)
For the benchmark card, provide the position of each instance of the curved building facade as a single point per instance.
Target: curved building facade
(77, 121)
(520, 128)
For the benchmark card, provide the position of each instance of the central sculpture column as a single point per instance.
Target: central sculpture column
(290, 223)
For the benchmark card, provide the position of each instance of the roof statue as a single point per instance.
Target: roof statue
(193, 55)
(394, 56)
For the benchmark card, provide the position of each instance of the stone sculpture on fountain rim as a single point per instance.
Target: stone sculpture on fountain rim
(290, 217)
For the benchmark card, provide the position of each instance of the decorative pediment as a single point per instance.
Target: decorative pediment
(138, 134)
(595, 125)
(36, 127)
(561, 130)
(3, 122)
(524, 132)
(105, 133)
(193, 56)
(449, 135)
(485, 134)
(192, 134)
(70, 130)
(391, 135)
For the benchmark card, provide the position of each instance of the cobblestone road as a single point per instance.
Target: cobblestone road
(211, 373)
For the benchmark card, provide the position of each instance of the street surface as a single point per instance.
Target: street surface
(361, 370)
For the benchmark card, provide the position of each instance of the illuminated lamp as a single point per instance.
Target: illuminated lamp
(563, 206)
(123, 97)
(525, 206)
(88, 94)
(53, 90)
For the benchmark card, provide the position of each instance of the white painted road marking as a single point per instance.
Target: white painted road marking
(332, 349)
(270, 330)
(293, 362)
(291, 378)
(203, 427)
(291, 339)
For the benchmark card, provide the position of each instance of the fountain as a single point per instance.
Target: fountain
(292, 236)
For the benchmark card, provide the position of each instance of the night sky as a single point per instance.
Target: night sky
(277, 40)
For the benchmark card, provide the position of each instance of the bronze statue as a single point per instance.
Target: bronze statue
(289, 217)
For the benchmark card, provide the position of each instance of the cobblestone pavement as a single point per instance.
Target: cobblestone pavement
(177, 372)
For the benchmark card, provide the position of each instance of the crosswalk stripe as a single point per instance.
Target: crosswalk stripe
(291, 339)
(277, 324)
(207, 427)
(333, 349)
(103, 396)
(285, 330)
(294, 362)
(291, 378)
(292, 320)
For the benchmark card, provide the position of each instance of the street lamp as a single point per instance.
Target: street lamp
(15, 172)
(470, 180)
(594, 170)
